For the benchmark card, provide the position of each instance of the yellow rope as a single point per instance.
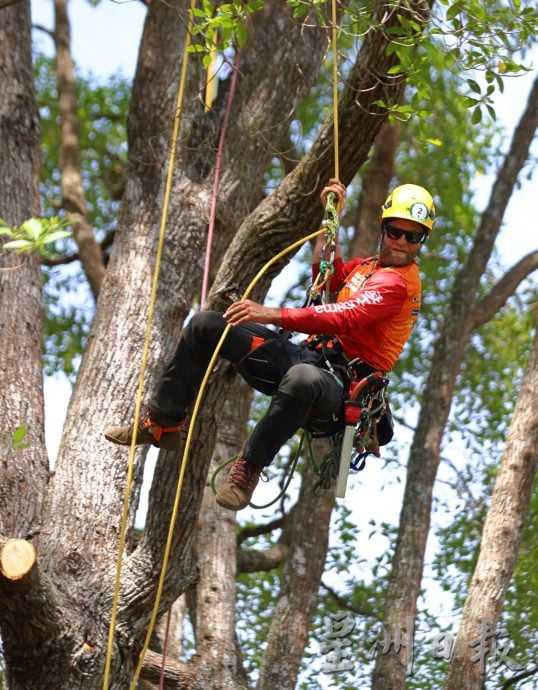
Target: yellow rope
(153, 299)
(183, 467)
(335, 92)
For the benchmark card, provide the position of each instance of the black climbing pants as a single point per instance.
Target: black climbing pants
(304, 392)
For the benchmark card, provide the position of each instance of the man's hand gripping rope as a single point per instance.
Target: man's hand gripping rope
(333, 198)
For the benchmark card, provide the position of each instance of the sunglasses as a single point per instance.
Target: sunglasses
(412, 236)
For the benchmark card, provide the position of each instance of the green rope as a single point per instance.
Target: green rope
(327, 469)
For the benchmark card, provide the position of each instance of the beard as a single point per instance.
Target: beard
(397, 256)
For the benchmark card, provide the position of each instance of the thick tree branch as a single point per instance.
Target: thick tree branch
(220, 662)
(17, 558)
(293, 209)
(502, 532)
(488, 306)
(301, 575)
(375, 184)
(73, 196)
(366, 611)
(528, 673)
(259, 530)
(254, 560)
(23, 471)
(177, 676)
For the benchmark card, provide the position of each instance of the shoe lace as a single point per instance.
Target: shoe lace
(244, 473)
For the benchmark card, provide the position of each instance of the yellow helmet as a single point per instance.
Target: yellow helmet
(411, 202)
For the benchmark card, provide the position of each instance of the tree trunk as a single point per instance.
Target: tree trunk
(219, 662)
(23, 464)
(408, 561)
(308, 537)
(23, 467)
(501, 537)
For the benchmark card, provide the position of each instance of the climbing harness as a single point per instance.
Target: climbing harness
(362, 411)
(365, 407)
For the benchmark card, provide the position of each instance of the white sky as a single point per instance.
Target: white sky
(105, 39)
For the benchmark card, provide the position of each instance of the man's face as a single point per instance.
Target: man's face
(399, 252)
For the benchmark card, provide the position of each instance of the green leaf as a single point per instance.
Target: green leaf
(58, 235)
(241, 34)
(19, 433)
(477, 116)
(19, 245)
(33, 227)
(473, 85)
(17, 438)
(491, 112)
(453, 10)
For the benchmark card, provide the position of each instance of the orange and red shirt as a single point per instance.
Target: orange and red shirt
(376, 309)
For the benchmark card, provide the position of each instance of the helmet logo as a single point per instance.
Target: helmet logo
(419, 211)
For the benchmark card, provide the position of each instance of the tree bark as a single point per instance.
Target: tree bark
(501, 537)
(408, 561)
(177, 676)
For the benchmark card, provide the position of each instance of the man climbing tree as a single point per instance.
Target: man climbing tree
(378, 301)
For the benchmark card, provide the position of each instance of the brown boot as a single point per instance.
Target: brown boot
(237, 490)
(149, 431)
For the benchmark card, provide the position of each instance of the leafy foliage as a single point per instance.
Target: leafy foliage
(224, 24)
(33, 234)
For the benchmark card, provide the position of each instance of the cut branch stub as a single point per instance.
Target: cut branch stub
(17, 557)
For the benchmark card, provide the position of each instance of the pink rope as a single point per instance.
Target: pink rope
(213, 208)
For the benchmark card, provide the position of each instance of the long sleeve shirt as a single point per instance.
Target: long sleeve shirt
(374, 314)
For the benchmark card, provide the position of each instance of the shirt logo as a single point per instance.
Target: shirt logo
(366, 297)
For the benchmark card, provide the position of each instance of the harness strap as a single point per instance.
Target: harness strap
(156, 430)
